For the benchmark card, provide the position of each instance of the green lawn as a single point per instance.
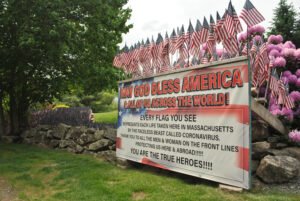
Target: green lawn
(40, 174)
(107, 117)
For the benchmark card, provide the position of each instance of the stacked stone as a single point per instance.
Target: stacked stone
(101, 143)
(273, 162)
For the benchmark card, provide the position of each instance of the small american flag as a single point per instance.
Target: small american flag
(173, 39)
(288, 102)
(189, 34)
(211, 37)
(237, 23)
(204, 59)
(229, 21)
(274, 87)
(180, 38)
(250, 14)
(216, 29)
(196, 36)
(204, 31)
(117, 62)
(125, 58)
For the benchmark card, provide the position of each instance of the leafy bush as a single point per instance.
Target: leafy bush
(101, 102)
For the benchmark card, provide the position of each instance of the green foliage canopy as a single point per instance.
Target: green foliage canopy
(48, 47)
(285, 22)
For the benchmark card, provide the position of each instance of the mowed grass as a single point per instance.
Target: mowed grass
(41, 174)
(107, 117)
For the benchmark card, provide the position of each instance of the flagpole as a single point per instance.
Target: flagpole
(189, 46)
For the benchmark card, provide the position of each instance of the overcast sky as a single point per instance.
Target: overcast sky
(150, 17)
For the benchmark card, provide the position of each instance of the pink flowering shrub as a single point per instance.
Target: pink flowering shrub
(292, 79)
(279, 62)
(298, 83)
(297, 54)
(274, 53)
(275, 39)
(295, 135)
(288, 52)
(289, 44)
(287, 73)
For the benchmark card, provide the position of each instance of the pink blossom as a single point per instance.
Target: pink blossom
(242, 37)
(295, 135)
(204, 47)
(275, 39)
(271, 39)
(295, 95)
(274, 53)
(298, 72)
(259, 29)
(288, 52)
(298, 83)
(288, 113)
(289, 44)
(275, 107)
(297, 54)
(279, 38)
(219, 52)
(276, 112)
(287, 73)
(272, 47)
(292, 79)
(258, 39)
(279, 62)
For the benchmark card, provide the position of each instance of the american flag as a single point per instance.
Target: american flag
(150, 50)
(229, 21)
(260, 70)
(125, 58)
(288, 102)
(196, 36)
(117, 62)
(281, 92)
(180, 38)
(157, 50)
(204, 31)
(245, 49)
(216, 29)
(204, 59)
(237, 23)
(254, 49)
(250, 14)
(165, 52)
(274, 86)
(173, 39)
(189, 34)
(183, 52)
(230, 45)
(211, 37)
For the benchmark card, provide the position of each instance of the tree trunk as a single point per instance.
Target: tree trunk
(13, 114)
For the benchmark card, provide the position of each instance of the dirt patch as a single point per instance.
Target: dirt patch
(139, 195)
(6, 191)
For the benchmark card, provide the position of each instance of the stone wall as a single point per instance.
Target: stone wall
(79, 140)
(272, 160)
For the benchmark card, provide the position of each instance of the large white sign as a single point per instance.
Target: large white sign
(195, 121)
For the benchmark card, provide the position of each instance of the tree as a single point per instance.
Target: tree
(48, 46)
(284, 21)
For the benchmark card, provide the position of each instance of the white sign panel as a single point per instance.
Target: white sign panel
(194, 122)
